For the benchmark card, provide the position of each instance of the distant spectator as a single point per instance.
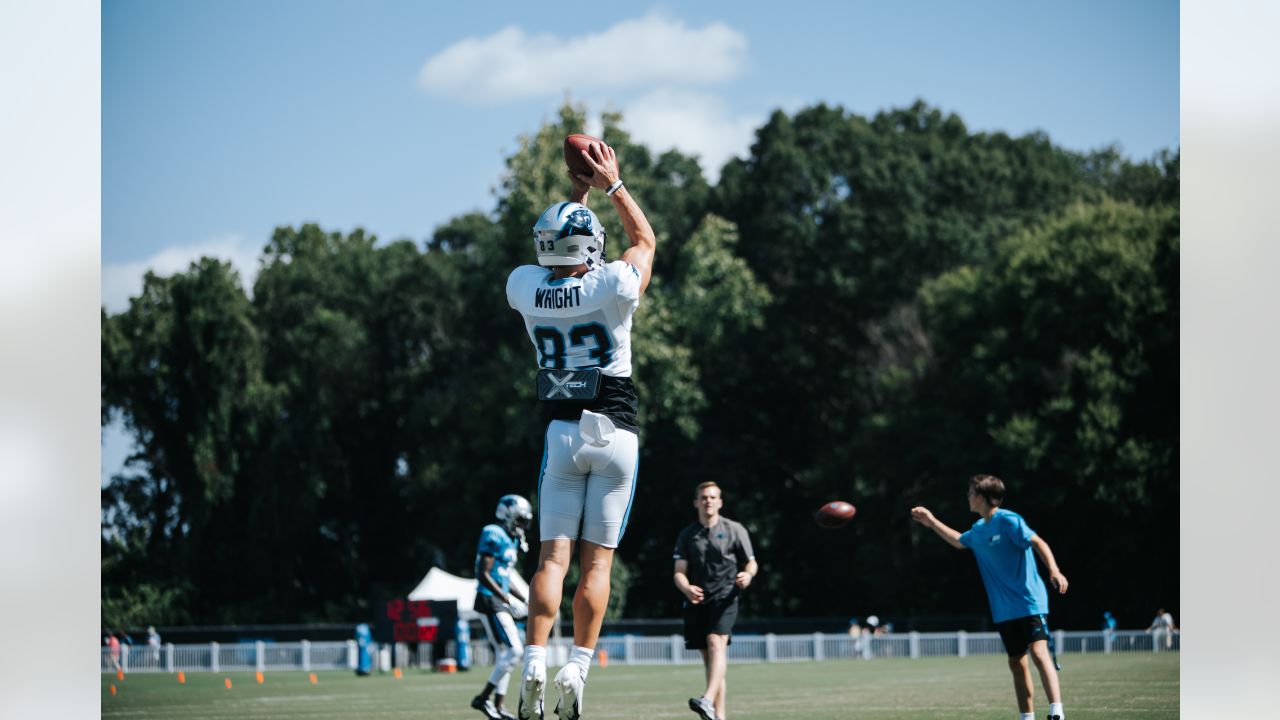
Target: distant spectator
(1162, 629)
(1108, 623)
(855, 633)
(153, 641)
(113, 643)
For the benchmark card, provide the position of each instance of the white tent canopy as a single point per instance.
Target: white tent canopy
(440, 585)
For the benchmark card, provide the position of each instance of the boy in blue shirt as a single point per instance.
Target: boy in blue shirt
(1002, 543)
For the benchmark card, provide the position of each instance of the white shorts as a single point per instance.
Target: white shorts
(587, 487)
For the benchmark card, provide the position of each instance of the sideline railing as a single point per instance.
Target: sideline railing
(633, 649)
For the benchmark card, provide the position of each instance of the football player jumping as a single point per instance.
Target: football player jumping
(577, 309)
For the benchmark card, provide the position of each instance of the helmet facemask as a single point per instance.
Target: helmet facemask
(516, 514)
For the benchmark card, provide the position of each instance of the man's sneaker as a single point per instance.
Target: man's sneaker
(703, 707)
(1055, 717)
(532, 685)
(485, 705)
(502, 712)
(570, 685)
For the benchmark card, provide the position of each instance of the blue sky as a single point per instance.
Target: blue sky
(222, 120)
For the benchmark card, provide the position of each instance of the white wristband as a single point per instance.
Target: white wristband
(615, 187)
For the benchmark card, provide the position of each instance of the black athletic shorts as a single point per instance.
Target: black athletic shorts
(1018, 634)
(712, 617)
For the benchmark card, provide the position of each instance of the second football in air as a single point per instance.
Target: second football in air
(834, 514)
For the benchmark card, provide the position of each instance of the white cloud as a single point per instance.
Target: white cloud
(121, 281)
(510, 65)
(693, 123)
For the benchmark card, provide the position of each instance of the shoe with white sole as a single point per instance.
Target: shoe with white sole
(485, 705)
(570, 685)
(533, 685)
(703, 707)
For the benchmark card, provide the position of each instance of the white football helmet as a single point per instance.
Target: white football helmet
(568, 233)
(515, 513)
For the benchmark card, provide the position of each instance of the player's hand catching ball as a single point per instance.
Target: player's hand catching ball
(604, 166)
(743, 580)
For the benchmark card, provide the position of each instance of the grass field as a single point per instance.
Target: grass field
(1095, 686)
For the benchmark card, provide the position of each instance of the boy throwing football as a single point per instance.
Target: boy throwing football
(1001, 542)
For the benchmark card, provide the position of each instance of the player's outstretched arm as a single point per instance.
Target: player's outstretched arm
(922, 515)
(1056, 578)
(604, 164)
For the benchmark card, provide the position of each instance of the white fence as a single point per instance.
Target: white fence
(636, 650)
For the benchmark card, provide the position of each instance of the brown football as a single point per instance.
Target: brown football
(834, 514)
(573, 145)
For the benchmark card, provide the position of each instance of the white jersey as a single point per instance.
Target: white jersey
(579, 322)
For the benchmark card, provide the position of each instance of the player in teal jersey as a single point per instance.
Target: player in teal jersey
(1002, 543)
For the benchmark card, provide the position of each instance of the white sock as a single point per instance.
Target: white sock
(582, 658)
(1056, 709)
(1027, 716)
(532, 654)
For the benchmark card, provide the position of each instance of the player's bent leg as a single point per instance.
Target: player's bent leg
(546, 587)
(1043, 658)
(592, 596)
(545, 590)
(717, 655)
(1022, 689)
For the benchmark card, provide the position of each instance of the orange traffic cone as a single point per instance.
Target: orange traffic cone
(182, 678)
(120, 674)
(113, 688)
(603, 657)
(313, 679)
(227, 682)
(260, 678)
(397, 673)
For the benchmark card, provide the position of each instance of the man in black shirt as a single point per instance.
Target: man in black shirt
(714, 564)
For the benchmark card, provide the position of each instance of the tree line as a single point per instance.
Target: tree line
(863, 308)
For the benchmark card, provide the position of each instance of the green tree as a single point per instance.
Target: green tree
(183, 367)
(868, 308)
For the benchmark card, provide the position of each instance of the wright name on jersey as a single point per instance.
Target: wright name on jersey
(583, 322)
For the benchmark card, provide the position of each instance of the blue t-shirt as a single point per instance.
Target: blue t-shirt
(495, 541)
(1002, 546)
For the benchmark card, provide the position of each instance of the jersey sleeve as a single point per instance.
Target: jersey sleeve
(490, 543)
(682, 546)
(1019, 532)
(626, 282)
(966, 538)
(747, 553)
(518, 283)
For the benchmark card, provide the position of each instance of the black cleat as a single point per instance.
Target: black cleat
(485, 705)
